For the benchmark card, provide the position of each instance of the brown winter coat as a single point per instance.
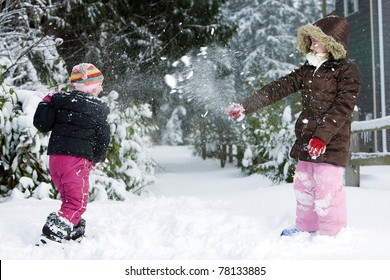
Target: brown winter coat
(328, 99)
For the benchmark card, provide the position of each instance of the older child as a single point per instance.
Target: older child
(329, 84)
(79, 138)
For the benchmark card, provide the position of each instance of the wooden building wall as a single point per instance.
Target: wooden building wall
(364, 50)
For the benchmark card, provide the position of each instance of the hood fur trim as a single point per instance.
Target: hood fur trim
(303, 41)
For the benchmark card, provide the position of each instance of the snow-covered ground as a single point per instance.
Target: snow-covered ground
(199, 211)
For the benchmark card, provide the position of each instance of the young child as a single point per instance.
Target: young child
(329, 85)
(79, 138)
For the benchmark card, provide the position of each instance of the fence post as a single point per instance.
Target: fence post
(352, 173)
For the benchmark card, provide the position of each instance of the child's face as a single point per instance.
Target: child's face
(317, 47)
(97, 90)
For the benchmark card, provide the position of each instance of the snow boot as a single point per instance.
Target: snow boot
(78, 231)
(290, 231)
(56, 228)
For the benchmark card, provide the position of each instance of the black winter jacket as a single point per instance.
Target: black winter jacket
(78, 125)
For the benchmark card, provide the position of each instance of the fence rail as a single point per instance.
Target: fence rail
(357, 158)
(370, 125)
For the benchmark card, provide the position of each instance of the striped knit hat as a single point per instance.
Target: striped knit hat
(85, 77)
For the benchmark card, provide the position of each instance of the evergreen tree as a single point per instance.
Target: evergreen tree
(265, 49)
(28, 56)
(173, 134)
(265, 42)
(30, 68)
(28, 59)
(130, 38)
(24, 163)
(134, 42)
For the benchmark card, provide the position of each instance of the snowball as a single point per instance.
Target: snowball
(186, 60)
(171, 81)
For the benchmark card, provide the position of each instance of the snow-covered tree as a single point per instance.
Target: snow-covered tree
(129, 166)
(213, 138)
(265, 49)
(22, 149)
(30, 68)
(265, 42)
(173, 133)
(24, 163)
(28, 61)
(129, 38)
(27, 56)
(134, 42)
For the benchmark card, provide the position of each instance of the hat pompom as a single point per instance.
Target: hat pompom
(86, 77)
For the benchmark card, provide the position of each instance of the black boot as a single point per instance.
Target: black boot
(78, 231)
(56, 228)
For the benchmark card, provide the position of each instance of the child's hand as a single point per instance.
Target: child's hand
(235, 111)
(47, 98)
(316, 147)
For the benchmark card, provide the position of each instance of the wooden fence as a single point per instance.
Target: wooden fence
(357, 158)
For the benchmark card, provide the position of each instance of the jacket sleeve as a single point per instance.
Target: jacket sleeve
(101, 141)
(274, 91)
(343, 106)
(44, 117)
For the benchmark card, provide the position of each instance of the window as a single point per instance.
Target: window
(350, 7)
(330, 6)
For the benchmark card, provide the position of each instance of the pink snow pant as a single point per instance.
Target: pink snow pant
(321, 198)
(71, 177)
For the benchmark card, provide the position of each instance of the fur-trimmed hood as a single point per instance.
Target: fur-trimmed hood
(331, 31)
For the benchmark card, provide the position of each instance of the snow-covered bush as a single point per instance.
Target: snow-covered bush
(129, 166)
(27, 63)
(266, 143)
(24, 163)
(30, 67)
(23, 150)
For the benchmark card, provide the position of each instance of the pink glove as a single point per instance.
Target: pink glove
(47, 98)
(316, 147)
(235, 111)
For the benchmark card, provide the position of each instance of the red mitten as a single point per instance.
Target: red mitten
(316, 147)
(235, 111)
(47, 98)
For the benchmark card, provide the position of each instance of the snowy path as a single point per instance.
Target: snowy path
(196, 210)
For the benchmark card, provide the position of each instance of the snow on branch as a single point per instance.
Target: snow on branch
(375, 124)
